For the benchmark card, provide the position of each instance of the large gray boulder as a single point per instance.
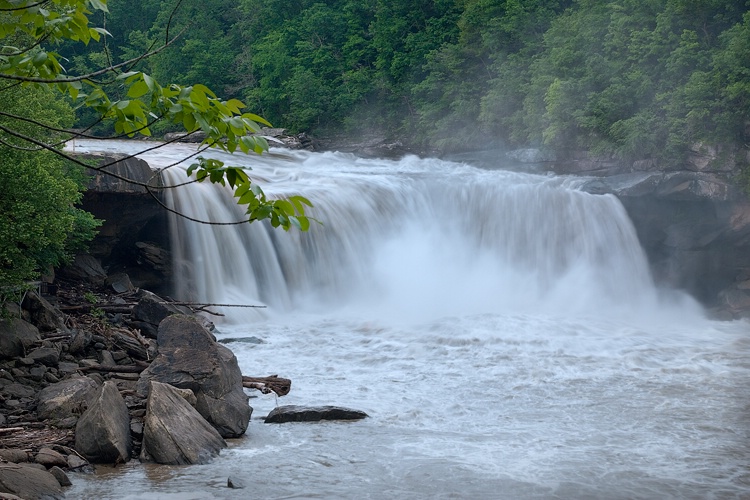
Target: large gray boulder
(103, 431)
(190, 358)
(174, 433)
(66, 399)
(28, 482)
(16, 337)
(42, 314)
(85, 268)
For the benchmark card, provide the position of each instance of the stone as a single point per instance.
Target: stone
(16, 337)
(14, 455)
(81, 339)
(66, 367)
(42, 314)
(293, 413)
(174, 432)
(50, 458)
(235, 483)
(29, 483)
(85, 268)
(48, 356)
(190, 358)
(120, 283)
(65, 399)
(37, 373)
(103, 431)
(60, 475)
(75, 462)
(18, 391)
(151, 310)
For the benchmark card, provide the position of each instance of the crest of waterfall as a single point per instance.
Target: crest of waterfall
(412, 238)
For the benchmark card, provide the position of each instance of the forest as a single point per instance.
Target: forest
(636, 79)
(629, 79)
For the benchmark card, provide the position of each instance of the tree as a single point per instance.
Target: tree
(31, 34)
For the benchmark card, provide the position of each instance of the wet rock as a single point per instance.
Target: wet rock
(190, 358)
(65, 399)
(235, 484)
(174, 432)
(103, 431)
(16, 337)
(48, 356)
(60, 475)
(293, 413)
(50, 458)
(76, 463)
(29, 483)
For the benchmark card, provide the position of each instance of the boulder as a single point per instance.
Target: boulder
(174, 432)
(190, 358)
(151, 310)
(60, 475)
(29, 483)
(16, 337)
(293, 413)
(65, 399)
(50, 458)
(85, 268)
(14, 455)
(103, 431)
(42, 314)
(48, 356)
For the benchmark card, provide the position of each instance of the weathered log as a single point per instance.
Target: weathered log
(266, 385)
(114, 369)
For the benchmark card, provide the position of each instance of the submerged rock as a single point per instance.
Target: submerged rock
(293, 413)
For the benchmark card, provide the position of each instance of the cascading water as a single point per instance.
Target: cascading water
(420, 237)
(500, 328)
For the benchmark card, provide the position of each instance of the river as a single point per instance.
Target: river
(501, 329)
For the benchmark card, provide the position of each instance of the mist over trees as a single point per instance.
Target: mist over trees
(632, 78)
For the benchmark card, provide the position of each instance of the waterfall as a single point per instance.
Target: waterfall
(413, 237)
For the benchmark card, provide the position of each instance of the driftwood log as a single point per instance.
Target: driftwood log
(266, 385)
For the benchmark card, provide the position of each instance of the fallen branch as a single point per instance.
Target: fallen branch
(266, 385)
(10, 430)
(114, 369)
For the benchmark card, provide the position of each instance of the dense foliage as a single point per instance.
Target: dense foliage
(39, 223)
(47, 61)
(635, 78)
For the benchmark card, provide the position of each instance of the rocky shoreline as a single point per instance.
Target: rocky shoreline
(91, 376)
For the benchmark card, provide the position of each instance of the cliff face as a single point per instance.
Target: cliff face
(134, 237)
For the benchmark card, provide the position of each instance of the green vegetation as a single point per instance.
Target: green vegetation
(636, 79)
(39, 224)
(632, 78)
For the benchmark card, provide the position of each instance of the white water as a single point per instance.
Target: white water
(501, 329)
